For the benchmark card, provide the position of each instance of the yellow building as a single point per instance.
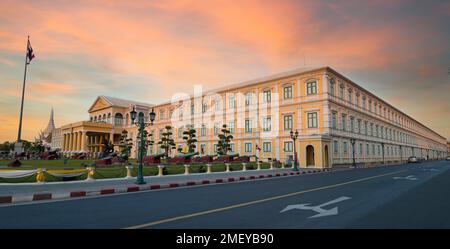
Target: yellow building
(327, 109)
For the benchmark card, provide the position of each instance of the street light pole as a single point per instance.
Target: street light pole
(352, 140)
(294, 137)
(141, 124)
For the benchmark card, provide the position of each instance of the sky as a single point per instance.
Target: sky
(150, 50)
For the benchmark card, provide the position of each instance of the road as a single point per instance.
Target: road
(403, 196)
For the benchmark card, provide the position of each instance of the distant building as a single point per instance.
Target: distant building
(46, 135)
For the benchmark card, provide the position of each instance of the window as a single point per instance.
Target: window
(371, 129)
(288, 146)
(367, 149)
(231, 127)
(312, 120)
(335, 147)
(287, 92)
(344, 122)
(204, 107)
(217, 105)
(267, 146)
(379, 151)
(161, 115)
(248, 126)
(180, 132)
(345, 145)
(170, 113)
(352, 126)
(360, 149)
(357, 99)
(192, 109)
(202, 148)
(266, 96)
(359, 126)
(341, 91)
(333, 120)
(287, 122)
(373, 149)
(376, 131)
(203, 130)
(248, 99)
(231, 102)
(370, 105)
(267, 124)
(331, 88)
(350, 96)
(311, 87)
(364, 102)
(248, 147)
(216, 128)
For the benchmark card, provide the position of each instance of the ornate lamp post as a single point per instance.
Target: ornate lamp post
(294, 137)
(141, 147)
(352, 141)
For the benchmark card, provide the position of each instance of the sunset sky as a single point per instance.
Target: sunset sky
(150, 50)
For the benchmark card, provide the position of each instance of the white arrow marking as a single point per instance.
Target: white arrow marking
(410, 177)
(430, 169)
(321, 212)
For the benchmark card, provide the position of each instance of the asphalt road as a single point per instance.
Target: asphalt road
(404, 196)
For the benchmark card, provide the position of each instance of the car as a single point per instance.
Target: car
(413, 159)
(448, 158)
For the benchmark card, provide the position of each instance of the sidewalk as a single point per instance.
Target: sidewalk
(25, 192)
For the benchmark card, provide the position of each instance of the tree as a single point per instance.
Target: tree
(189, 137)
(125, 145)
(166, 141)
(225, 137)
(148, 140)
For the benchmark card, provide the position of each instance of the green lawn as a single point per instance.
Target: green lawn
(113, 171)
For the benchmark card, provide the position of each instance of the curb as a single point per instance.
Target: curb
(108, 191)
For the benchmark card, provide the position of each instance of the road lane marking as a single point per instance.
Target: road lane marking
(244, 204)
(321, 212)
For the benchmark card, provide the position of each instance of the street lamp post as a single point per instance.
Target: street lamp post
(141, 124)
(382, 151)
(352, 141)
(294, 137)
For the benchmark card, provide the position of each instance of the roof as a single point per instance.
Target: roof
(123, 102)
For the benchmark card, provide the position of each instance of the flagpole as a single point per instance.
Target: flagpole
(19, 147)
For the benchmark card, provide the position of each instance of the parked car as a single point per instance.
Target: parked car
(448, 158)
(413, 159)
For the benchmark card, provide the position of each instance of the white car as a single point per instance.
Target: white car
(412, 159)
(448, 158)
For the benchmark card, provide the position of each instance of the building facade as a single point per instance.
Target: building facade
(335, 119)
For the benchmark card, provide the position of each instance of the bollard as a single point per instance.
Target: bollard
(283, 166)
(40, 177)
(244, 167)
(90, 174)
(129, 168)
(186, 169)
(160, 170)
(208, 168)
(228, 167)
(258, 164)
(271, 165)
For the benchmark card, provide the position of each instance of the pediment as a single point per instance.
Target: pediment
(99, 104)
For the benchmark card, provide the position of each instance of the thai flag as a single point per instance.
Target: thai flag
(30, 53)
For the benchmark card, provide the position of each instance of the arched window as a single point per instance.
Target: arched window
(95, 119)
(91, 119)
(118, 119)
(104, 118)
(109, 118)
